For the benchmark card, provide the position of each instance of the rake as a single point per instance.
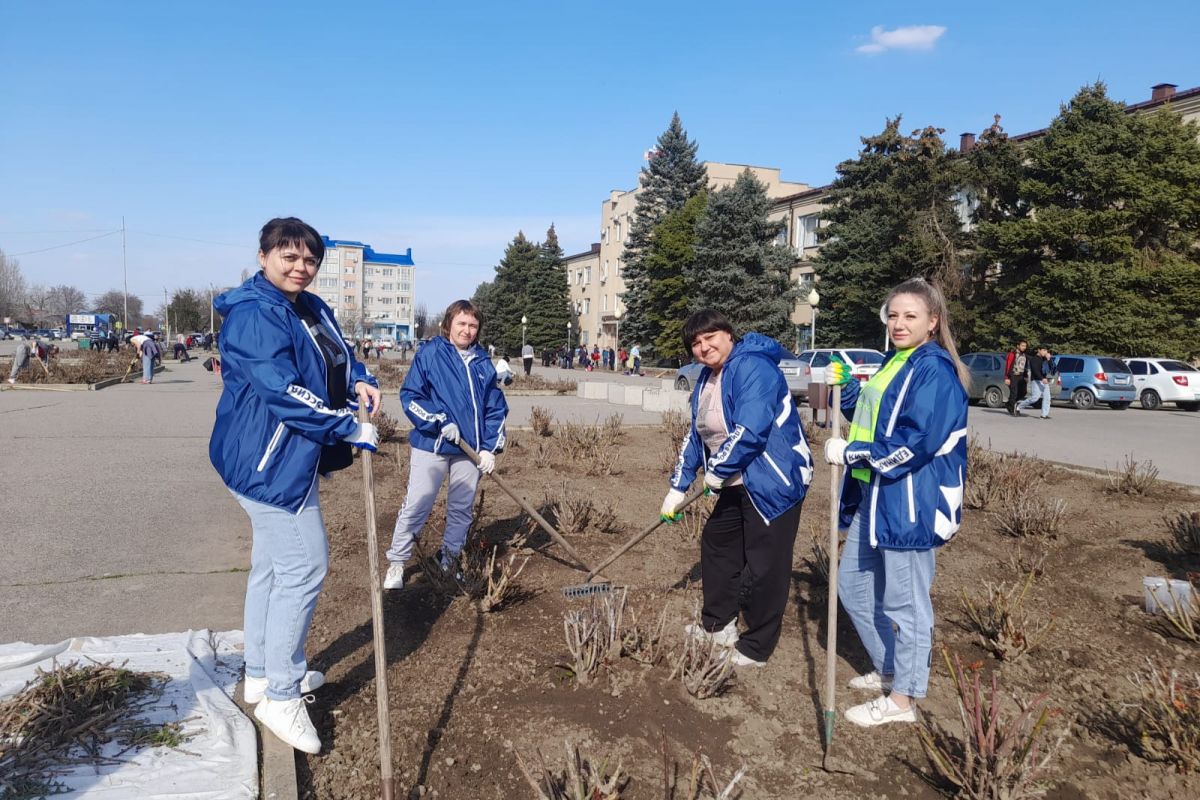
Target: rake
(588, 588)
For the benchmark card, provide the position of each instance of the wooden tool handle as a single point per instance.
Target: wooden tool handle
(835, 485)
(623, 549)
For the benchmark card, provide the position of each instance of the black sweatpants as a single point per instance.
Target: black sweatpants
(746, 564)
(1016, 393)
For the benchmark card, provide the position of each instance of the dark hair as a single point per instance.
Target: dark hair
(706, 320)
(283, 231)
(461, 307)
(1023, 341)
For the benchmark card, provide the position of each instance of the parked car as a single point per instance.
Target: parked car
(4, 334)
(863, 364)
(792, 369)
(385, 342)
(1164, 380)
(687, 376)
(1084, 380)
(987, 379)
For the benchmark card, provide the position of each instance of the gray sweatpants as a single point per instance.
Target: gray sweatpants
(426, 471)
(21, 358)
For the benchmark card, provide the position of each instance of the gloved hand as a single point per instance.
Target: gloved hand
(670, 507)
(487, 461)
(837, 372)
(835, 451)
(450, 433)
(712, 484)
(365, 437)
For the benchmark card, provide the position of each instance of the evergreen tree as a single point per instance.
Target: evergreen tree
(739, 267)
(671, 177)
(516, 272)
(548, 297)
(668, 268)
(891, 218)
(1106, 262)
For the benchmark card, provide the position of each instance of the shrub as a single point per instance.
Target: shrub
(646, 644)
(1166, 722)
(1133, 477)
(819, 560)
(594, 635)
(501, 589)
(542, 421)
(702, 781)
(691, 525)
(1182, 620)
(589, 446)
(1031, 561)
(583, 778)
(387, 426)
(1001, 621)
(1185, 533)
(1032, 516)
(543, 454)
(704, 667)
(614, 426)
(999, 755)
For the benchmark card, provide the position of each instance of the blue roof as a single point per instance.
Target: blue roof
(369, 254)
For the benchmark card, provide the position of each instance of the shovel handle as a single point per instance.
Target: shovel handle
(835, 470)
(530, 510)
(623, 549)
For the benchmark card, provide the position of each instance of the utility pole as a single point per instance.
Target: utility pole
(125, 272)
(166, 316)
(210, 308)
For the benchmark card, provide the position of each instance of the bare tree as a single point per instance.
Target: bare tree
(113, 302)
(65, 300)
(420, 319)
(37, 303)
(12, 286)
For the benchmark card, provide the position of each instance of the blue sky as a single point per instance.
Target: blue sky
(446, 127)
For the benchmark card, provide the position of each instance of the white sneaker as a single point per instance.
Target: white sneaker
(395, 577)
(726, 637)
(740, 659)
(288, 720)
(255, 689)
(12, 380)
(879, 711)
(872, 681)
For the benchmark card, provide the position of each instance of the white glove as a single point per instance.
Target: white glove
(713, 483)
(450, 433)
(487, 461)
(835, 451)
(365, 437)
(670, 506)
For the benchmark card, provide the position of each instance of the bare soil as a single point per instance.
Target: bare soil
(469, 689)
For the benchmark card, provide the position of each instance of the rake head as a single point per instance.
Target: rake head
(588, 590)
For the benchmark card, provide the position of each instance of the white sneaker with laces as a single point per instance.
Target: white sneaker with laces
(255, 689)
(872, 681)
(288, 720)
(726, 637)
(880, 711)
(395, 577)
(740, 659)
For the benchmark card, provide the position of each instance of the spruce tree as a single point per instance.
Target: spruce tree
(508, 298)
(1106, 262)
(671, 177)
(740, 269)
(891, 218)
(548, 296)
(668, 267)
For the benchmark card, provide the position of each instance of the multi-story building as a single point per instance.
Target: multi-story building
(594, 277)
(371, 292)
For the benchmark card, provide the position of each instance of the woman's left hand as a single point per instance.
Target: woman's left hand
(369, 396)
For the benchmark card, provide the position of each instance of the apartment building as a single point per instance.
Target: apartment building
(371, 292)
(594, 276)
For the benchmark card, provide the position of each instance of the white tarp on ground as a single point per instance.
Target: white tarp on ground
(221, 758)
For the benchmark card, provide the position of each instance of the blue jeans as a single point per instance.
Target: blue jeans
(1037, 391)
(886, 595)
(147, 368)
(288, 562)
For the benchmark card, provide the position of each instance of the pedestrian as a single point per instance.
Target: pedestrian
(902, 495)
(113, 344)
(636, 355)
(207, 341)
(181, 348)
(27, 350)
(146, 349)
(95, 335)
(595, 356)
(366, 349)
(1016, 375)
(290, 386)
(1039, 382)
(623, 358)
(527, 358)
(504, 373)
(450, 395)
(604, 358)
(491, 350)
(612, 359)
(747, 435)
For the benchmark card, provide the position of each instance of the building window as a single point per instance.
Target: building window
(604, 302)
(349, 285)
(587, 275)
(328, 283)
(349, 300)
(387, 301)
(368, 300)
(806, 231)
(617, 229)
(587, 305)
(348, 269)
(405, 286)
(387, 273)
(387, 287)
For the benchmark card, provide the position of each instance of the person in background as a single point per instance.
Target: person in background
(595, 356)
(604, 359)
(635, 355)
(290, 388)
(207, 341)
(451, 395)
(1039, 382)
(901, 498)
(95, 337)
(1016, 375)
(181, 348)
(367, 344)
(527, 358)
(27, 350)
(113, 343)
(504, 373)
(747, 435)
(146, 349)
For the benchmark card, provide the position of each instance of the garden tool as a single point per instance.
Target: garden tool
(538, 518)
(136, 360)
(835, 421)
(589, 588)
(377, 633)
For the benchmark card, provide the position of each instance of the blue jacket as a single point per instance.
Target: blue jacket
(766, 442)
(441, 388)
(272, 418)
(918, 460)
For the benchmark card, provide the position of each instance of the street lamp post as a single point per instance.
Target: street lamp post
(524, 322)
(814, 300)
(568, 337)
(617, 316)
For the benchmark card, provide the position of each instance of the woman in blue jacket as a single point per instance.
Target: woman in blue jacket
(450, 394)
(747, 435)
(286, 414)
(902, 496)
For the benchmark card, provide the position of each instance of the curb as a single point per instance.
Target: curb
(70, 387)
(277, 763)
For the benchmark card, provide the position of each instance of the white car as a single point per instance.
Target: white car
(1164, 380)
(863, 364)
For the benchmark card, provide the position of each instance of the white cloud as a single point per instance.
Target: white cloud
(907, 37)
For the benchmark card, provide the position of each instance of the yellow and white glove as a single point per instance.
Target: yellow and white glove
(670, 507)
(837, 372)
(712, 484)
(487, 462)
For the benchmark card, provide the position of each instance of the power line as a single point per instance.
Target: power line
(68, 244)
(188, 239)
(38, 233)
